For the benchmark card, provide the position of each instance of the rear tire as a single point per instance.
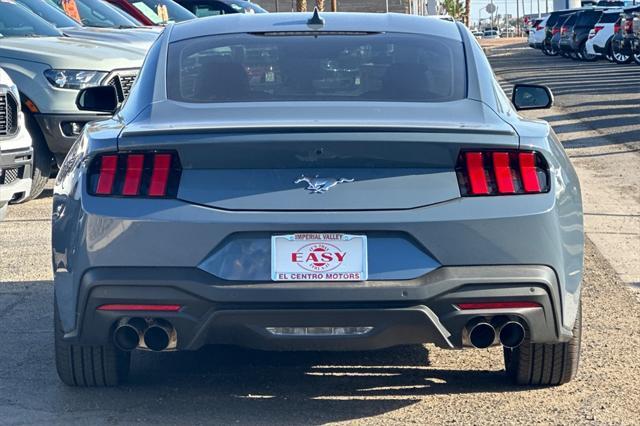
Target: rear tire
(636, 58)
(548, 50)
(586, 56)
(42, 160)
(88, 366)
(538, 364)
(619, 57)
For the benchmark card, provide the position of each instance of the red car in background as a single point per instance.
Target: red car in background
(153, 12)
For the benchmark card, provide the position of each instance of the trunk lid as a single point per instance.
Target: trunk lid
(318, 157)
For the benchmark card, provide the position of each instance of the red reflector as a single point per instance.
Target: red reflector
(160, 175)
(127, 307)
(108, 167)
(475, 171)
(528, 171)
(133, 176)
(502, 170)
(498, 305)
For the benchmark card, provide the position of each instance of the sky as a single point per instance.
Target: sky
(476, 5)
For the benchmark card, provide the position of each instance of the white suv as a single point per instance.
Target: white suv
(15, 147)
(599, 41)
(537, 32)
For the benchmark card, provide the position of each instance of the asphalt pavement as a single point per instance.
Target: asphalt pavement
(416, 384)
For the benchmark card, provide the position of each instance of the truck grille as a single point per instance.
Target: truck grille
(8, 115)
(8, 176)
(123, 81)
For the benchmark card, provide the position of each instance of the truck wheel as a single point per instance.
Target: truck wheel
(42, 160)
(636, 58)
(541, 364)
(88, 366)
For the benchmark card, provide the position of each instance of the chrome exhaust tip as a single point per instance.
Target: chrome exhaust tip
(160, 336)
(128, 333)
(479, 334)
(511, 334)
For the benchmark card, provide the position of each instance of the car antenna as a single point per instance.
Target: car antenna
(316, 19)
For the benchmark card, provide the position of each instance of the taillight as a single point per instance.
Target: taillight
(554, 30)
(539, 27)
(563, 30)
(616, 27)
(502, 173)
(148, 174)
(595, 31)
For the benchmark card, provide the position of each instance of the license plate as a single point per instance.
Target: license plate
(319, 257)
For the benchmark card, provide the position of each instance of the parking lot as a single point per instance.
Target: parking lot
(596, 117)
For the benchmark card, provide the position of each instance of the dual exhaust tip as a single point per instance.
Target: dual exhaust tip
(156, 334)
(481, 334)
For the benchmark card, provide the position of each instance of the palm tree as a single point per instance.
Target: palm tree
(320, 5)
(455, 9)
(301, 5)
(467, 13)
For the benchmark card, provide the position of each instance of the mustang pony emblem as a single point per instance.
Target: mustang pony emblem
(318, 185)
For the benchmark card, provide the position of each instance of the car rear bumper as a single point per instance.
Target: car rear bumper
(422, 310)
(599, 50)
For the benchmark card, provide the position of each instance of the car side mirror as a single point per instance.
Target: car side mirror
(98, 98)
(531, 96)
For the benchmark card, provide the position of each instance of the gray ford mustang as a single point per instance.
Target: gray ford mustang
(305, 182)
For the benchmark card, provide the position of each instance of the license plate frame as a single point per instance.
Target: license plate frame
(319, 256)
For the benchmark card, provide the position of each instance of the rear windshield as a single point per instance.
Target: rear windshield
(588, 19)
(609, 18)
(311, 67)
(554, 18)
(570, 20)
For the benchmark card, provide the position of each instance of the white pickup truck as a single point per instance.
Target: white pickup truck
(15, 147)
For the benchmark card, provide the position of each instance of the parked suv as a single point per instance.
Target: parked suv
(49, 70)
(15, 147)
(537, 33)
(579, 34)
(564, 41)
(599, 41)
(552, 28)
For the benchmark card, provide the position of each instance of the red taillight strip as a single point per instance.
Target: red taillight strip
(133, 174)
(475, 172)
(131, 307)
(530, 181)
(502, 171)
(497, 305)
(160, 175)
(108, 167)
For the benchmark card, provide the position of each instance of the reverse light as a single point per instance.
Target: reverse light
(150, 174)
(501, 173)
(497, 305)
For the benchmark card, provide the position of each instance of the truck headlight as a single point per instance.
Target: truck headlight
(74, 79)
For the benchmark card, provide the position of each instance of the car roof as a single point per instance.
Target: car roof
(334, 22)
